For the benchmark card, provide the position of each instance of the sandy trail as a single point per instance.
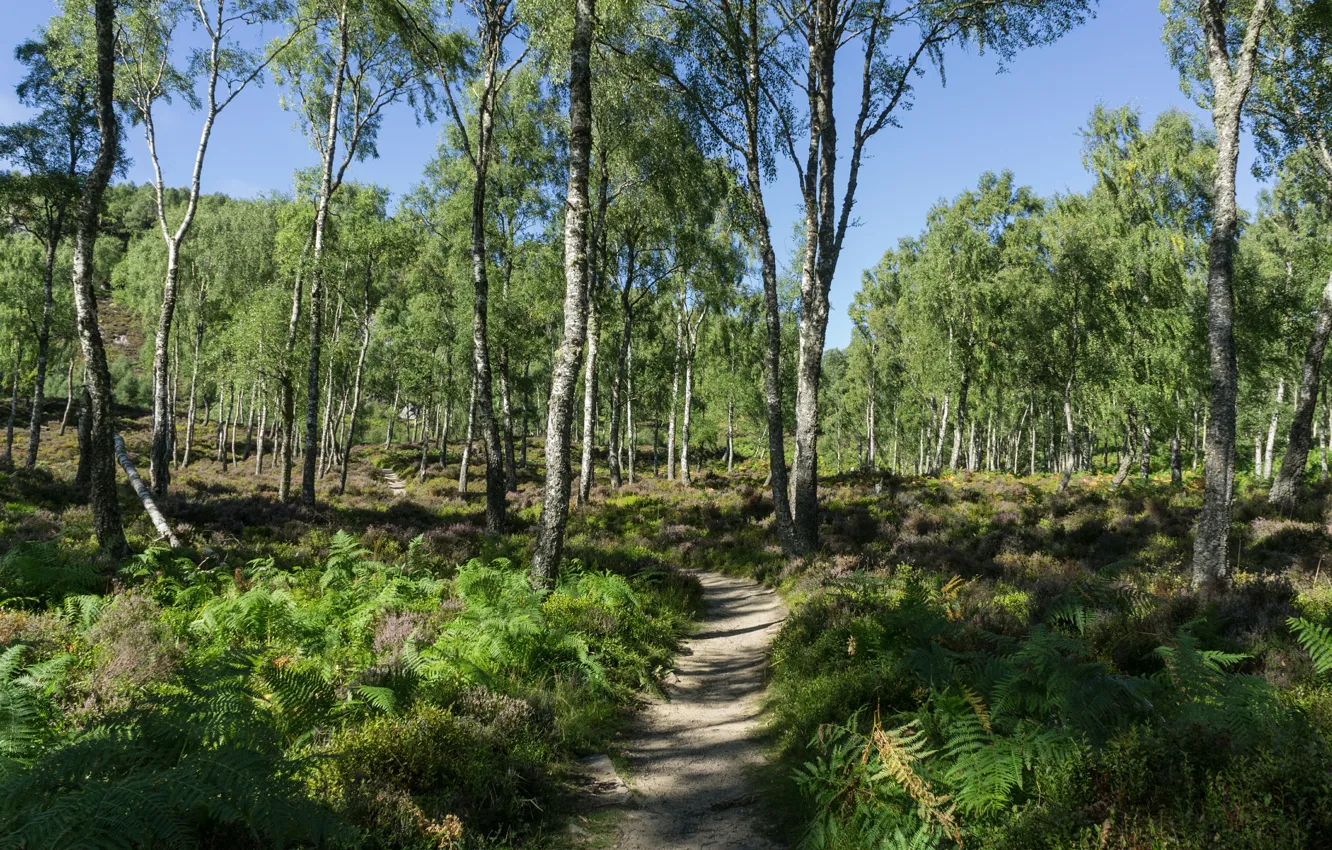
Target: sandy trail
(690, 754)
(396, 485)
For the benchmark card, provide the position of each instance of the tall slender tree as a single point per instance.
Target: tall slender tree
(549, 546)
(1218, 54)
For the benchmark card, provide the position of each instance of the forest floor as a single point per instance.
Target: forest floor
(692, 754)
(1032, 664)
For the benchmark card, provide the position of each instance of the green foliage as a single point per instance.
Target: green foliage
(354, 702)
(983, 739)
(1316, 640)
(41, 574)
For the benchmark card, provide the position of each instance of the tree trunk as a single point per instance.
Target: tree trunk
(484, 394)
(159, 457)
(286, 386)
(1272, 428)
(326, 189)
(263, 430)
(549, 546)
(83, 474)
(1306, 400)
(586, 470)
(13, 404)
(248, 440)
(621, 371)
(355, 404)
(141, 490)
(943, 429)
(1125, 458)
(194, 384)
(1176, 459)
(1230, 85)
(43, 346)
(101, 451)
(506, 411)
(959, 418)
(631, 435)
(691, 346)
(392, 419)
(1145, 449)
(466, 459)
(1067, 474)
(69, 397)
(675, 390)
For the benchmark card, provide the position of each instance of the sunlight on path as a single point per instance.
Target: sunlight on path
(689, 755)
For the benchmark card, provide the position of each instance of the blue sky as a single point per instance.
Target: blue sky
(1026, 120)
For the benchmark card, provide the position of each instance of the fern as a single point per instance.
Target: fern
(20, 709)
(1316, 640)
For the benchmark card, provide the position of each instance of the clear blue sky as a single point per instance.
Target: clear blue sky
(1026, 120)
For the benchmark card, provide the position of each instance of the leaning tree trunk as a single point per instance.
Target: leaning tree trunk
(141, 490)
(101, 450)
(1306, 401)
(549, 546)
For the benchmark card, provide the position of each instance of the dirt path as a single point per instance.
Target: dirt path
(395, 483)
(689, 755)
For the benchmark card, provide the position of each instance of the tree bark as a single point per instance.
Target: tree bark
(69, 397)
(1176, 459)
(83, 474)
(675, 389)
(43, 345)
(101, 451)
(1270, 447)
(621, 368)
(691, 348)
(549, 546)
(1291, 474)
(1125, 458)
(355, 403)
(590, 402)
(13, 404)
(466, 459)
(1230, 87)
(141, 490)
(263, 430)
(326, 188)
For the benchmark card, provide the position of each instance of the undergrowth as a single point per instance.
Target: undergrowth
(1041, 677)
(347, 702)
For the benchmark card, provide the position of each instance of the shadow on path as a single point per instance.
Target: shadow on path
(690, 754)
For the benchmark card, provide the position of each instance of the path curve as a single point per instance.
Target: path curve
(690, 754)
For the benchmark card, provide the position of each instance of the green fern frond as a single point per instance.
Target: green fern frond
(1316, 640)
